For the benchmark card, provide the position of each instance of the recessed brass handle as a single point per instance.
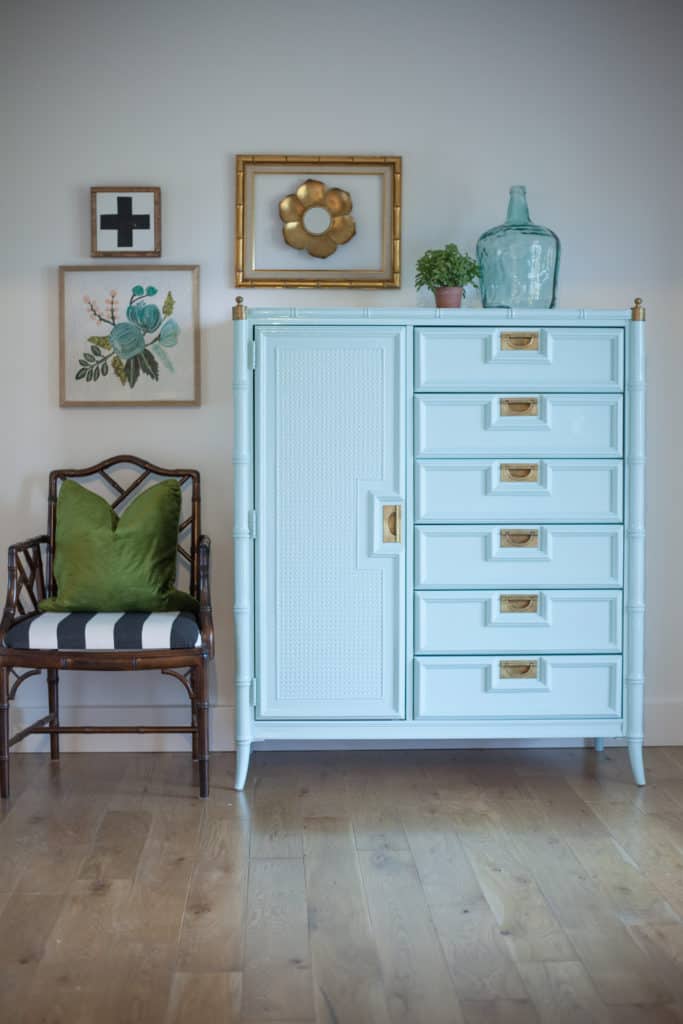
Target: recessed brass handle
(391, 524)
(516, 340)
(519, 538)
(518, 669)
(519, 407)
(519, 472)
(519, 603)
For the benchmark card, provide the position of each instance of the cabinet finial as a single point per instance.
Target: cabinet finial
(239, 310)
(638, 310)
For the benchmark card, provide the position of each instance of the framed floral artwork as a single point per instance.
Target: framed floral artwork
(318, 221)
(125, 220)
(129, 336)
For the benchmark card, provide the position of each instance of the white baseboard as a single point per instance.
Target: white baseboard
(663, 727)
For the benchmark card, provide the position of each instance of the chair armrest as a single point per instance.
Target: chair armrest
(26, 584)
(205, 610)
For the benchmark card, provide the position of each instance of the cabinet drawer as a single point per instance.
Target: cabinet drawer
(476, 621)
(555, 686)
(448, 426)
(528, 556)
(519, 358)
(540, 490)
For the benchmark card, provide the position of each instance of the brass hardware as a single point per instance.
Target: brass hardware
(519, 538)
(516, 340)
(518, 669)
(519, 472)
(239, 311)
(391, 524)
(638, 310)
(334, 206)
(519, 407)
(519, 603)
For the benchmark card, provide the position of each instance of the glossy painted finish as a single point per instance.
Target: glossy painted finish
(330, 455)
(527, 556)
(477, 622)
(471, 490)
(577, 479)
(473, 359)
(574, 426)
(556, 685)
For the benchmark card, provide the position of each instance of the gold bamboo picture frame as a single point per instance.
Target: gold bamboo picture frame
(129, 335)
(317, 221)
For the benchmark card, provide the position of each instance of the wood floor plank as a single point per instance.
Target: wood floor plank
(563, 993)
(525, 921)
(347, 973)
(277, 977)
(118, 845)
(416, 978)
(373, 806)
(620, 971)
(213, 925)
(651, 843)
(276, 823)
(500, 1011)
(210, 998)
(475, 951)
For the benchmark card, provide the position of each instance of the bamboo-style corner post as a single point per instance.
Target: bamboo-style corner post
(634, 654)
(242, 535)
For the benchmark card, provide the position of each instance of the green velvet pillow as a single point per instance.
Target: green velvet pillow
(104, 563)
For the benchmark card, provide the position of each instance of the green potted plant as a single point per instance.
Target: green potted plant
(446, 272)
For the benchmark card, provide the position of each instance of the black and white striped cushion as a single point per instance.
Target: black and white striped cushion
(105, 631)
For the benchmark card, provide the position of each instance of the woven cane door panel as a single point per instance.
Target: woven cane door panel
(330, 455)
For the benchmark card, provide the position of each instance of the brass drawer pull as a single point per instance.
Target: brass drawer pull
(519, 603)
(514, 472)
(391, 524)
(518, 670)
(519, 407)
(516, 340)
(519, 538)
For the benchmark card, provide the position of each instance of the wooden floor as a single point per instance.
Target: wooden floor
(344, 887)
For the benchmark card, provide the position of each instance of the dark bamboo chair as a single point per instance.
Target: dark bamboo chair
(30, 578)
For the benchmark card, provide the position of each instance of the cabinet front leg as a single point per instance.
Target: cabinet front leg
(242, 763)
(635, 753)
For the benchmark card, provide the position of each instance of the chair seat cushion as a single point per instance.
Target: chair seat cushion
(105, 631)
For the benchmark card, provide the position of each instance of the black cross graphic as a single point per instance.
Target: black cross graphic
(124, 221)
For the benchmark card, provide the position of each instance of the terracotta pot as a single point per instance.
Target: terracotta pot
(448, 298)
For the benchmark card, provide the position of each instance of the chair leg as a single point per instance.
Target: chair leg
(4, 733)
(193, 718)
(53, 707)
(202, 709)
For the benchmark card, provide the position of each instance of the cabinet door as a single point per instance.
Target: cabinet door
(330, 562)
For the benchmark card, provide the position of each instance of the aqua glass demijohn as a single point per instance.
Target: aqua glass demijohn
(518, 260)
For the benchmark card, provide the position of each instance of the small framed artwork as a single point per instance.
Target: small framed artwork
(129, 336)
(318, 222)
(125, 221)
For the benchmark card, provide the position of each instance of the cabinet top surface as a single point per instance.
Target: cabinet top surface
(425, 316)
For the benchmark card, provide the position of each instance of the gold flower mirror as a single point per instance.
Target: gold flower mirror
(317, 218)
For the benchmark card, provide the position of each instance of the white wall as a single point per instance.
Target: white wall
(579, 100)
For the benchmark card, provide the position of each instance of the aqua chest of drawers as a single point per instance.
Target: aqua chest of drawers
(439, 526)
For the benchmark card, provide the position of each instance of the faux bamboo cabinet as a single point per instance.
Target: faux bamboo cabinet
(439, 525)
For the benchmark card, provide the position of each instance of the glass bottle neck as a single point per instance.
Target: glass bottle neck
(518, 211)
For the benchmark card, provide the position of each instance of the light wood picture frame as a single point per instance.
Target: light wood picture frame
(125, 221)
(129, 336)
(318, 221)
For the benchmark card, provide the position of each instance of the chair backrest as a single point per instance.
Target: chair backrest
(121, 492)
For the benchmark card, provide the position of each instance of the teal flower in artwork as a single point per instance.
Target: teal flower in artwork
(135, 346)
(147, 317)
(168, 335)
(127, 340)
